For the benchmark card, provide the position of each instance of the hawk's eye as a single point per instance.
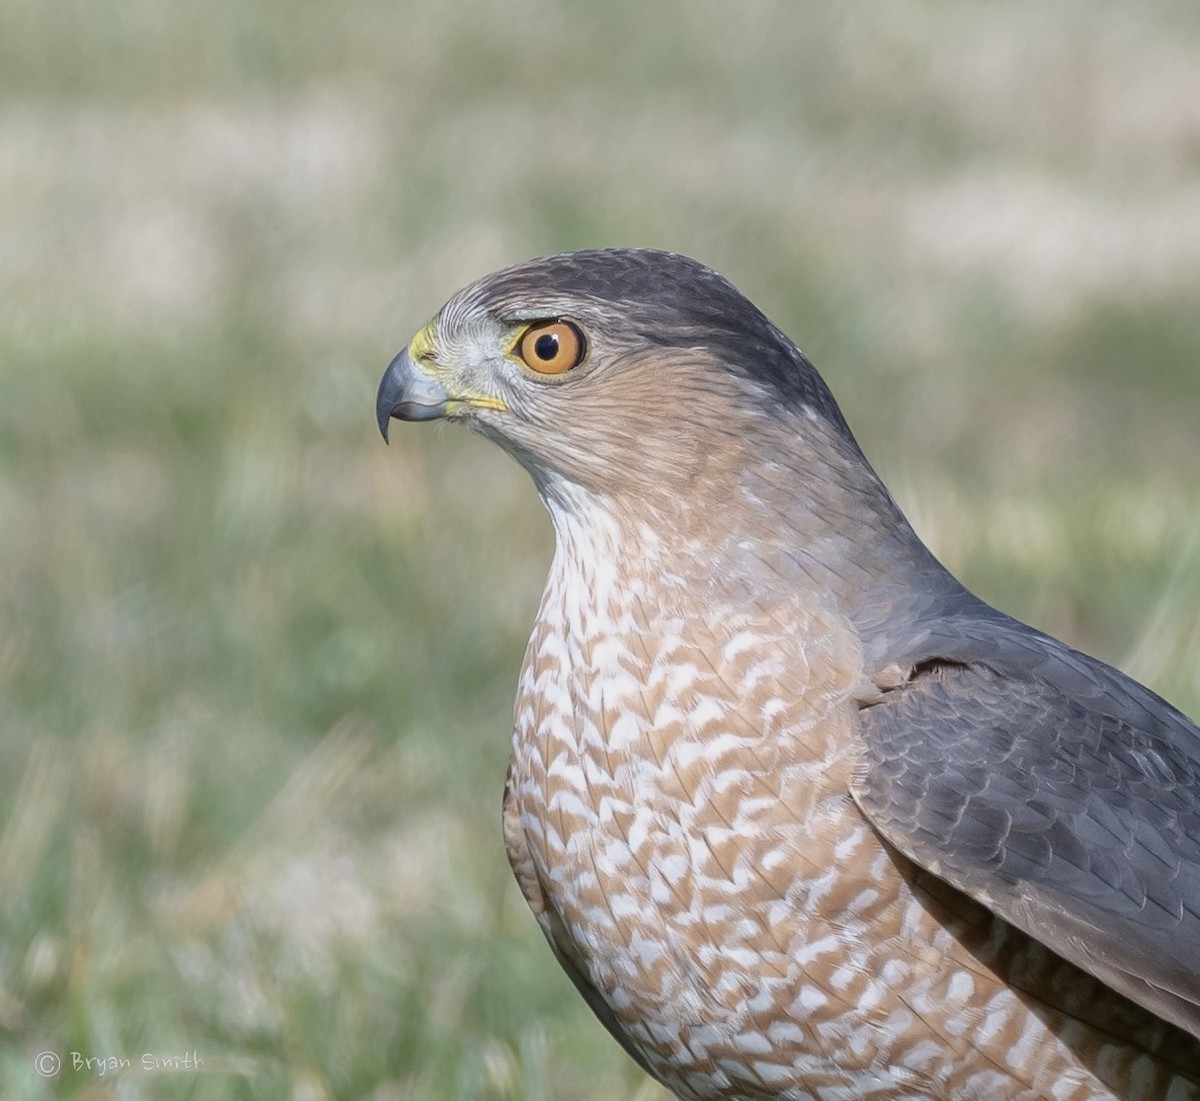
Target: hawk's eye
(551, 347)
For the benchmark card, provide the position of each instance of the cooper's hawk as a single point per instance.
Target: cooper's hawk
(800, 816)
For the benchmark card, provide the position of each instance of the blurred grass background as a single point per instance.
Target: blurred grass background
(256, 670)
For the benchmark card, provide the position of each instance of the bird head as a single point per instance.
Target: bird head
(658, 409)
(627, 372)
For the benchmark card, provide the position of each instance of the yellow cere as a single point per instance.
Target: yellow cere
(420, 348)
(421, 351)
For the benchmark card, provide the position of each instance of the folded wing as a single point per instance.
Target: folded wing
(1056, 791)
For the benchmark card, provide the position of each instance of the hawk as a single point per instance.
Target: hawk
(801, 817)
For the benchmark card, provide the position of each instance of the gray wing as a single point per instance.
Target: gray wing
(1055, 790)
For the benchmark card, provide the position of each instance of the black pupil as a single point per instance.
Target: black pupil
(546, 346)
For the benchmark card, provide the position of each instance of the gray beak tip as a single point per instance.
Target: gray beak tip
(391, 393)
(409, 394)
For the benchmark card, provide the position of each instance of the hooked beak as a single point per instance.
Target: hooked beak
(409, 394)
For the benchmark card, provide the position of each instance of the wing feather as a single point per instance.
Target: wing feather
(1060, 794)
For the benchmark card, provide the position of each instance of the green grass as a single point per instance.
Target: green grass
(256, 670)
